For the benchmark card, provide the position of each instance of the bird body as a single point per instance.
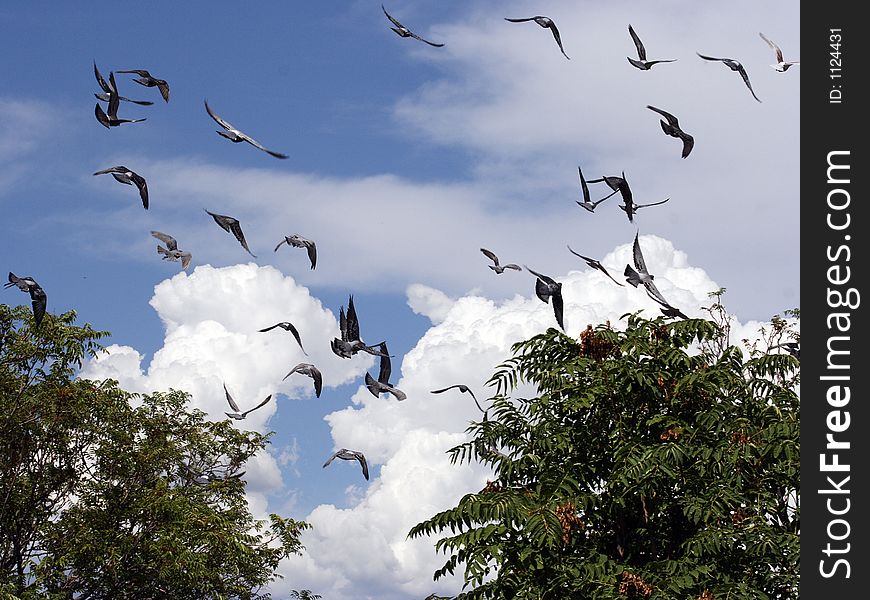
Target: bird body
(236, 414)
(672, 128)
(404, 32)
(38, 299)
(546, 23)
(297, 241)
(643, 64)
(734, 66)
(145, 78)
(231, 225)
(498, 268)
(236, 135)
(128, 177)
(346, 454)
(311, 371)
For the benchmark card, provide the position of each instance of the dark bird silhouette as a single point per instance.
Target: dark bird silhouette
(241, 415)
(128, 177)
(231, 225)
(462, 388)
(311, 371)
(38, 299)
(287, 326)
(734, 66)
(793, 348)
(546, 23)
(404, 32)
(781, 65)
(595, 265)
(297, 241)
(109, 118)
(498, 268)
(145, 78)
(106, 96)
(350, 342)
(620, 184)
(171, 251)
(642, 275)
(346, 454)
(672, 128)
(546, 288)
(587, 201)
(382, 383)
(643, 64)
(672, 312)
(235, 135)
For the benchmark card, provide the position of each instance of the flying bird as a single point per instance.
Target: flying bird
(462, 388)
(171, 251)
(595, 265)
(231, 225)
(672, 128)
(498, 268)
(241, 415)
(620, 184)
(346, 454)
(382, 383)
(546, 288)
(672, 312)
(297, 241)
(642, 275)
(109, 117)
(587, 201)
(350, 344)
(793, 348)
(404, 32)
(781, 65)
(311, 371)
(145, 78)
(643, 64)
(546, 23)
(38, 299)
(287, 326)
(128, 177)
(106, 96)
(234, 135)
(734, 66)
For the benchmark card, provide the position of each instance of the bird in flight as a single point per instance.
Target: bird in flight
(672, 312)
(734, 66)
(643, 64)
(241, 415)
(642, 275)
(587, 201)
(107, 90)
(145, 78)
(498, 268)
(595, 265)
(404, 32)
(793, 348)
(234, 135)
(311, 371)
(350, 344)
(287, 326)
(297, 241)
(382, 383)
(463, 389)
(546, 23)
(231, 225)
(620, 184)
(109, 117)
(171, 251)
(346, 454)
(546, 288)
(781, 65)
(672, 128)
(128, 177)
(38, 299)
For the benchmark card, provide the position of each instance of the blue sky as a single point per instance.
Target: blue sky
(404, 160)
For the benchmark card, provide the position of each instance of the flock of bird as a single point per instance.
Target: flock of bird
(547, 289)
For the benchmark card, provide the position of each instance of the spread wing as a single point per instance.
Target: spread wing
(102, 82)
(295, 333)
(772, 45)
(490, 255)
(312, 254)
(362, 462)
(225, 124)
(386, 365)
(641, 51)
(745, 77)
(671, 118)
(232, 402)
(558, 307)
(263, 403)
(352, 322)
(38, 301)
(236, 230)
(639, 263)
(710, 57)
(636, 206)
(688, 143)
(170, 242)
(390, 17)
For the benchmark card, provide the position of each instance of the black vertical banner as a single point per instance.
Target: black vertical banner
(835, 421)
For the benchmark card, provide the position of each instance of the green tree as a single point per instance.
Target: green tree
(107, 495)
(656, 462)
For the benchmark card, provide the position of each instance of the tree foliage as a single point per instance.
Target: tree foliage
(107, 495)
(656, 462)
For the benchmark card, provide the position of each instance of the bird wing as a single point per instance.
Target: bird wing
(257, 144)
(164, 89)
(118, 169)
(295, 333)
(101, 116)
(490, 255)
(236, 230)
(372, 385)
(637, 255)
(312, 254)
(352, 321)
(583, 186)
(269, 328)
(671, 118)
(114, 98)
(397, 393)
(232, 402)
(139, 72)
(631, 276)
(342, 324)
(745, 77)
(393, 20)
(544, 278)
(519, 20)
(362, 461)
(772, 45)
(102, 82)
(417, 37)
(710, 57)
(332, 458)
(558, 307)
(636, 206)
(558, 38)
(170, 242)
(318, 379)
(185, 259)
(225, 124)
(449, 387)
(38, 301)
(688, 143)
(143, 188)
(653, 292)
(386, 368)
(263, 403)
(641, 51)
(284, 241)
